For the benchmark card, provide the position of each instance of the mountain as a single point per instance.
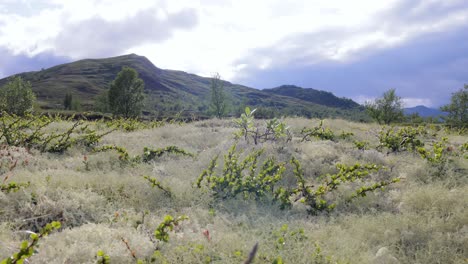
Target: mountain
(313, 96)
(424, 111)
(170, 91)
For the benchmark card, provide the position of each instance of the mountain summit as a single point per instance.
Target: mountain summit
(171, 91)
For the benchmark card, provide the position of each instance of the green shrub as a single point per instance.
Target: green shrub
(403, 139)
(28, 248)
(319, 132)
(314, 197)
(162, 231)
(273, 130)
(242, 176)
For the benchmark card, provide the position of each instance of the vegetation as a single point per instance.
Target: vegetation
(126, 94)
(352, 193)
(273, 130)
(458, 108)
(27, 249)
(386, 110)
(218, 96)
(17, 97)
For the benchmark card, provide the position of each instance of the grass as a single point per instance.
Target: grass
(422, 219)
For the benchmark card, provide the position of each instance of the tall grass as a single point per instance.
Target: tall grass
(422, 219)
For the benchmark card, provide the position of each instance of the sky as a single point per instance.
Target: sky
(357, 49)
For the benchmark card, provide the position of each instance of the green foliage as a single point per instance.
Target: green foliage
(387, 109)
(284, 236)
(12, 186)
(437, 155)
(218, 96)
(314, 198)
(17, 97)
(155, 183)
(133, 124)
(123, 153)
(162, 231)
(272, 131)
(319, 258)
(67, 101)
(457, 109)
(101, 102)
(151, 154)
(29, 132)
(27, 248)
(148, 154)
(405, 138)
(242, 177)
(361, 145)
(345, 135)
(320, 132)
(102, 258)
(126, 94)
(464, 149)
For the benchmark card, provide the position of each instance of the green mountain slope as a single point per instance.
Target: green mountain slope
(313, 96)
(172, 91)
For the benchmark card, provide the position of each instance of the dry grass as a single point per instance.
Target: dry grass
(422, 219)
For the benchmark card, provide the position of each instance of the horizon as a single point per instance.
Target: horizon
(354, 50)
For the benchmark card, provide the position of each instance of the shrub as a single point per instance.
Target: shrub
(396, 140)
(272, 131)
(27, 248)
(314, 198)
(17, 97)
(162, 231)
(319, 132)
(242, 177)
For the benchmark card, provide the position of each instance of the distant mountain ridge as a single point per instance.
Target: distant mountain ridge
(424, 111)
(313, 96)
(170, 91)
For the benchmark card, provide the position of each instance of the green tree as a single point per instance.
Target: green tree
(218, 96)
(387, 109)
(67, 102)
(101, 102)
(126, 94)
(458, 108)
(17, 97)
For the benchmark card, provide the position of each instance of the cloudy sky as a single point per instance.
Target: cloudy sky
(356, 49)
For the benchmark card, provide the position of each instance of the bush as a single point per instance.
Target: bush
(242, 177)
(17, 97)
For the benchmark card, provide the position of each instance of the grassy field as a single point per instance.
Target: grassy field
(104, 203)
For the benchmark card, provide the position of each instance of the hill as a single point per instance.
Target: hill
(171, 91)
(424, 111)
(313, 96)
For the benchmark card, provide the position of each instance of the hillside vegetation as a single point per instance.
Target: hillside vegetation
(172, 91)
(125, 191)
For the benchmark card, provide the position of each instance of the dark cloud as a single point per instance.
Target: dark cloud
(430, 66)
(97, 37)
(12, 64)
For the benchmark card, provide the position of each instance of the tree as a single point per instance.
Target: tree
(17, 97)
(458, 108)
(101, 102)
(387, 109)
(218, 97)
(126, 94)
(67, 102)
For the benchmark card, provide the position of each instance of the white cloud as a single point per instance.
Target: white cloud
(228, 33)
(412, 102)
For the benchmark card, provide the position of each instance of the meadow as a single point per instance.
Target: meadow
(112, 195)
